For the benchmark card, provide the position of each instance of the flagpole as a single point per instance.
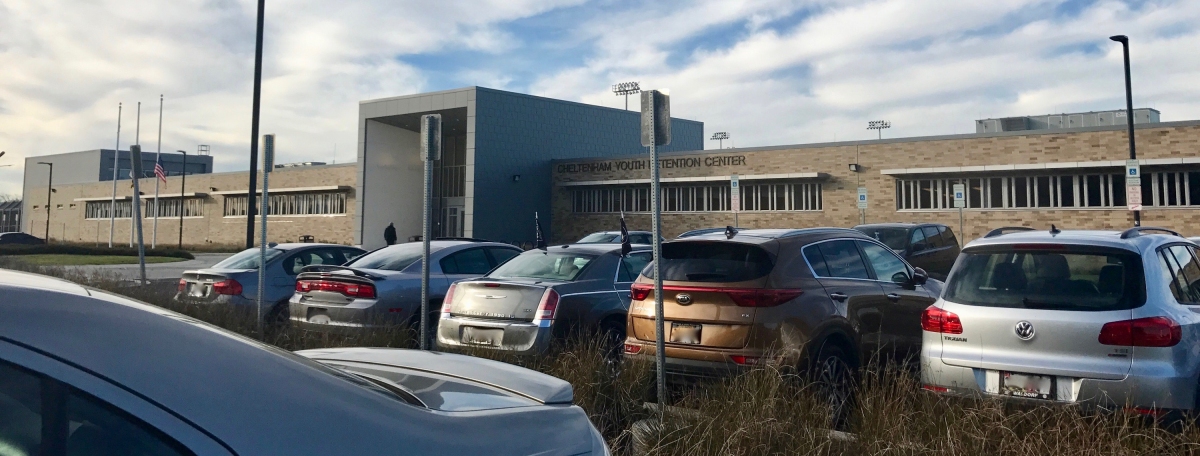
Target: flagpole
(112, 206)
(154, 236)
(137, 139)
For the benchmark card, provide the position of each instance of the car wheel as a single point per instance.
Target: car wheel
(278, 314)
(832, 377)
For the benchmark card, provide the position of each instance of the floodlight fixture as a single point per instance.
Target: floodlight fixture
(879, 125)
(720, 136)
(626, 89)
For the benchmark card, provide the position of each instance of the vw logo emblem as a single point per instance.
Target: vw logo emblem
(1024, 330)
(683, 299)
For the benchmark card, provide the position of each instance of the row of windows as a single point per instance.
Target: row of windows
(784, 196)
(167, 207)
(291, 204)
(1162, 189)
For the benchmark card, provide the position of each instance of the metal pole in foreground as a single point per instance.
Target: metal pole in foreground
(135, 157)
(268, 163)
(431, 149)
(112, 205)
(182, 201)
(252, 192)
(649, 137)
(1124, 40)
(49, 190)
(157, 156)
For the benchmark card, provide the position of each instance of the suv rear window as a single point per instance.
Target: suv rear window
(1046, 277)
(712, 262)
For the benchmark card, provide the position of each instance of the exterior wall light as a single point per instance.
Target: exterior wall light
(854, 168)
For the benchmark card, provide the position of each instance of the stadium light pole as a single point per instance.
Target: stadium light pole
(1124, 40)
(879, 125)
(626, 89)
(720, 136)
(49, 190)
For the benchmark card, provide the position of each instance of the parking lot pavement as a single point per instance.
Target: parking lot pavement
(156, 271)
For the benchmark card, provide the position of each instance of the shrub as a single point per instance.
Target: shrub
(75, 249)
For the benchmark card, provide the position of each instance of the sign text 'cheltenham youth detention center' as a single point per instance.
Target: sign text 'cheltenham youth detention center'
(629, 165)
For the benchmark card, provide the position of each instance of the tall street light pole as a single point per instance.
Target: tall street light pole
(626, 89)
(1124, 40)
(253, 191)
(49, 190)
(182, 200)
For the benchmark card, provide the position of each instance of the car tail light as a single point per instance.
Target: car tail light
(1148, 411)
(745, 360)
(935, 388)
(761, 297)
(227, 287)
(182, 286)
(548, 307)
(937, 320)
(743, 297)
(641, 291)
(448, 299)
(353, 290)
(1142, 332)
(632, 349)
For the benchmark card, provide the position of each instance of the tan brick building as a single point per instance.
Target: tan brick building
(315, 201)
(1073, 178)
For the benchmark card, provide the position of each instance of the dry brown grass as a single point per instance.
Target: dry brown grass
(764, 411)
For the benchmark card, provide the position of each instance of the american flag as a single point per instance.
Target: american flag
(159, 171)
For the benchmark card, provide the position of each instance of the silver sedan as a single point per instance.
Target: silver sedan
(81, 369)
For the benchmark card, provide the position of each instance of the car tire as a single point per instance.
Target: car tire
(278, 315)
(832, 376)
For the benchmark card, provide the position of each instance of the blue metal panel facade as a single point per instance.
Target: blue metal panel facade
(172, 164)
(518, 135)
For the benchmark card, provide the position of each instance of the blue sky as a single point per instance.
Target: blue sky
(766, 71)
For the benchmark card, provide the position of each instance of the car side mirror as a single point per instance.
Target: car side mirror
(901, 278)
(920, 276)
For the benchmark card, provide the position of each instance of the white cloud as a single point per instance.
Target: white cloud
(767, 71)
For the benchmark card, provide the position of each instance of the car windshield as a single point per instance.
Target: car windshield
(246, 259)
(894, 238)
(712, 262)
(392, 258)
(600, 238)
(1057, 280)
(543, 265)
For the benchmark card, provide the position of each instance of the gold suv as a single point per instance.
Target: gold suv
(827, 297)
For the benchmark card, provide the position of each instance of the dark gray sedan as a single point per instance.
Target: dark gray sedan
(384, 287)
(235, 279)
(83, 371)
(542, 295)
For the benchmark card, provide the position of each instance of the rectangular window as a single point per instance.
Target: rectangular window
(1101, 190)
(324, 203)
(100, 209)
(169, 207)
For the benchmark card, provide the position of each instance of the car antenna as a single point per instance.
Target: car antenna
(1054, 229)
(730, 232)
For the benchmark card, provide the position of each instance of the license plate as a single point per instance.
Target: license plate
(197, 290)
(685, 333)
(319, 319)
(1026, 385)
(482, 336)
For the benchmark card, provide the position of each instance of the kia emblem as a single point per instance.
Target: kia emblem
(683, 299)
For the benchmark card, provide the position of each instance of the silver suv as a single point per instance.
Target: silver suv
(1099, 318)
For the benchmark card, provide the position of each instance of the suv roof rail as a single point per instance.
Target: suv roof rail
(801, 231)
(1005, 230)
(1137, 231)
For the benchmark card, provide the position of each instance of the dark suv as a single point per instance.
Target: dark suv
(827, 299)
(929, 246)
